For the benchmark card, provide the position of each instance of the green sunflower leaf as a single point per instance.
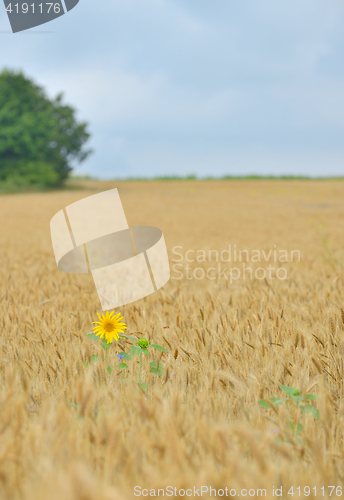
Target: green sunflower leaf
(156, 370)
(94, 358)
(264, 403)
(125, 355)
(109, 369)
(143, 386)
(159, 347)
(135, 350)
(296, 428)
(310, 410)
(105, 345)
(275, 401)
(278, 401)
(127, 337)
(146, 352)
(92, 336)
(297, 399)
(122, 366)
(291, 391)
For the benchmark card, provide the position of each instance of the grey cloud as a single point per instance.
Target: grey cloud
(197, 86)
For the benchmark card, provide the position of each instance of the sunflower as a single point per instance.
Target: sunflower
(110, 326)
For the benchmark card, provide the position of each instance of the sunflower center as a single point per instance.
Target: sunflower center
(109, 327)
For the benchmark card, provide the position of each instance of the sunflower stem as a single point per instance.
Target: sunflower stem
(140, 367)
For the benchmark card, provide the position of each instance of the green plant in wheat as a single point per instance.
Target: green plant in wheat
(108, 329)
(141, 349)
(297, 402)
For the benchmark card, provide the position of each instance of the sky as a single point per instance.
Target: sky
(203, 87)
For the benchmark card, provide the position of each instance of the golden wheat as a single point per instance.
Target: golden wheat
(230, 345)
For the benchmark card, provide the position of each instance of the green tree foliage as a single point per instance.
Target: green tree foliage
(39, 137)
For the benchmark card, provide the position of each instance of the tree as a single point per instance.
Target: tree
(39, 137)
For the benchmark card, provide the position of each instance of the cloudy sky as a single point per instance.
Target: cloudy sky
(206, 87)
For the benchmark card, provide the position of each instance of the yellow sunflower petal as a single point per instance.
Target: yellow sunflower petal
(101, 328)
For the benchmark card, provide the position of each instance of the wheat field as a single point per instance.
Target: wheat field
(71, 431)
